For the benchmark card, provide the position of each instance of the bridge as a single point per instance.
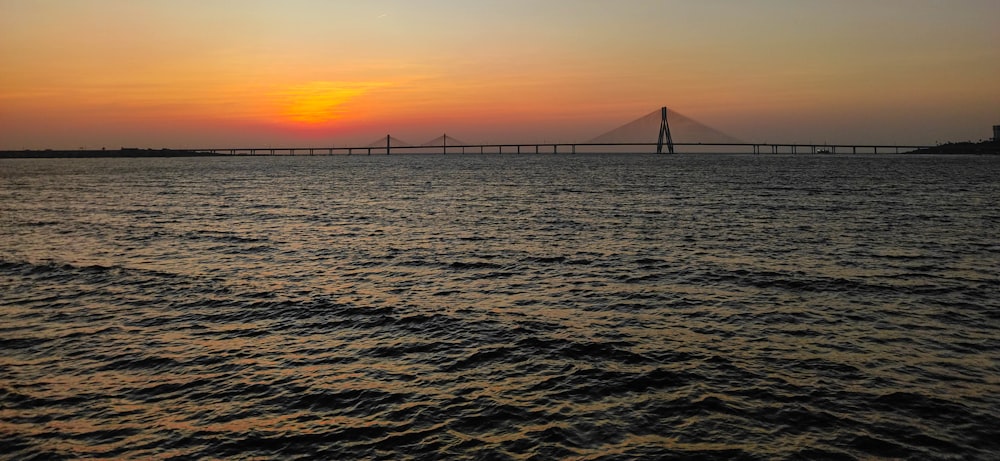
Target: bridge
(635, 136)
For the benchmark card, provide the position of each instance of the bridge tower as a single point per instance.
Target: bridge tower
(664, 133)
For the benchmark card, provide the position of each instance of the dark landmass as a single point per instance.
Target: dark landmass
(964, 148)
(87, 153)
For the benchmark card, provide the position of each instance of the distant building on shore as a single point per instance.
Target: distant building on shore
(996, 133)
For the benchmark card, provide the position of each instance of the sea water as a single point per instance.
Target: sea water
(501, 307)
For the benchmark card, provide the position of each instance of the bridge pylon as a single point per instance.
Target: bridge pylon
(664, 133)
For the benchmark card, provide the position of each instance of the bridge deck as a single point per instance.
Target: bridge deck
(523, 148)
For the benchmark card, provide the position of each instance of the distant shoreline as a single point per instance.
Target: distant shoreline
(951, 148)
(102, 153)
(962, 148)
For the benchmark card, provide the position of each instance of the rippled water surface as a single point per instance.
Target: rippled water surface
(501, 307)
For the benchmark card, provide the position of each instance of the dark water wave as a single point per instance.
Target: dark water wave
(500, 308)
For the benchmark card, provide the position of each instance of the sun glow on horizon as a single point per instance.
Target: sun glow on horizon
(322, 102)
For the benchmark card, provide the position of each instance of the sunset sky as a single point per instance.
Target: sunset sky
(233, 73)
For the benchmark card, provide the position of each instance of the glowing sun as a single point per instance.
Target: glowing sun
(321, 102)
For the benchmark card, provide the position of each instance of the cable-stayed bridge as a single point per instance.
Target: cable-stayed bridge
(662, 131)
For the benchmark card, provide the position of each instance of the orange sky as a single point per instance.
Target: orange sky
(217, 73)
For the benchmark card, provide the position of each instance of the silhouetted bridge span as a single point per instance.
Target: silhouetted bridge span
(634, 136)
(538, 148)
